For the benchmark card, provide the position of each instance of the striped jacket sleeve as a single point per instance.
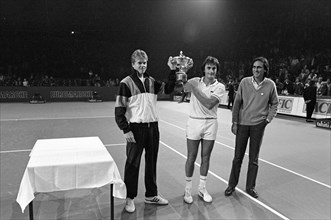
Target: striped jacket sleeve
(122, 98)
(168, 87)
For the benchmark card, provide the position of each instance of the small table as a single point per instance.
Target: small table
(66, 164)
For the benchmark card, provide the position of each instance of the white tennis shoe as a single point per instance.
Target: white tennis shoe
(205, 195)
(129, 206)
(157, 200)
(188, 196)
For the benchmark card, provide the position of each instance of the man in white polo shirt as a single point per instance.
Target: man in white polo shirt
(206, 94)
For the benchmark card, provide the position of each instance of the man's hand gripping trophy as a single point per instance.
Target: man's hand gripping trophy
(182, 64)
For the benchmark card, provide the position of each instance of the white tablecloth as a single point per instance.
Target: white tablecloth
(69, 163)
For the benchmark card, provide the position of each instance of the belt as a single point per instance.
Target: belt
(146, 124)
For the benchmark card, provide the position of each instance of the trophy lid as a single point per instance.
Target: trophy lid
(182, 62)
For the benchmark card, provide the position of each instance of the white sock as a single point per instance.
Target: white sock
(188, 184)
(202, 183)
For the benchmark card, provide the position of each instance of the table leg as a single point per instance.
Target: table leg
(31, 210)
(111, 202)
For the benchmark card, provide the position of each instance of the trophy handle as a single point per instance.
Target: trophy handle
(181, 77)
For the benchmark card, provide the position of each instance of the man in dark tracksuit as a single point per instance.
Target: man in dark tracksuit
(309, 95)
(136, 116)
(230, 94)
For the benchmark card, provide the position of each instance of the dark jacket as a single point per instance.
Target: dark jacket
(309, 93)
(231, 90)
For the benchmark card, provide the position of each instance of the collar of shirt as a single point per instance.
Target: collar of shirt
(201, 81)
(136, 74)
(256, 84)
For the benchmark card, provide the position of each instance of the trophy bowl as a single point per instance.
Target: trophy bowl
(183, 64)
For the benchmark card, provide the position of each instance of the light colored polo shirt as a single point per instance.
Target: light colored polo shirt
(257, 85)
(197, 110)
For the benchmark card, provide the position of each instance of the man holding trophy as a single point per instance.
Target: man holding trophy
(206, 94)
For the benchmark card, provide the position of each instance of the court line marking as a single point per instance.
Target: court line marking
(26, 150)
(59, 118)
(13, 151)
(288, 170)
(110, 145)
(66, 118)
(265, 161)
(239, 190)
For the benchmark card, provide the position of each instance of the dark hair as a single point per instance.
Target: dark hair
(210, 60)
(265, 64)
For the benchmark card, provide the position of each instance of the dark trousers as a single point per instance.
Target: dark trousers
(230, 101)
(255, 134)
(147, 137)
(310, 109)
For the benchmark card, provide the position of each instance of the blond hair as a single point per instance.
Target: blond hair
(138, 53)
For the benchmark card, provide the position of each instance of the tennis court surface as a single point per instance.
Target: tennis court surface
(293, 180)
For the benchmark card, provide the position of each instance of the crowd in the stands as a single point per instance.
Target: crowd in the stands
(296, 43)
(291, 75)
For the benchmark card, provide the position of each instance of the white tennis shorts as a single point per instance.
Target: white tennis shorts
(197, 129)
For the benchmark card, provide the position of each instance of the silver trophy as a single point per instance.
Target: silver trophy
(183, 64)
